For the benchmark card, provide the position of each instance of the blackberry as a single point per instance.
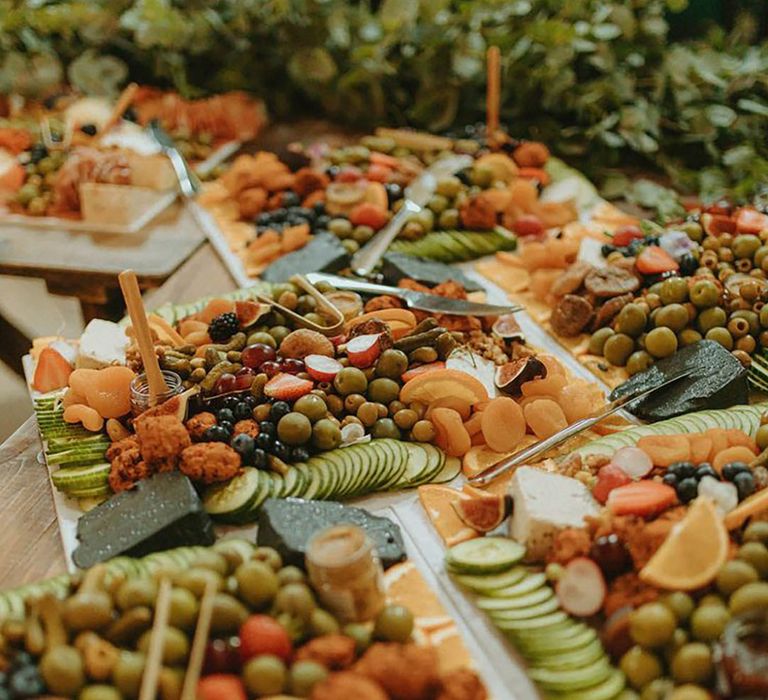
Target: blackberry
(223, 327)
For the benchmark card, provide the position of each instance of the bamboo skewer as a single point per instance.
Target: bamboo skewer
(493, 92)
(132, 295)
(155, 653)
(197, 655)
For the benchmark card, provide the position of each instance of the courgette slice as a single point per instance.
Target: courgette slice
(486, 555)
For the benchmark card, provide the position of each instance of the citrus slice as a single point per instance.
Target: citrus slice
(436, 500)
(693, 553)
(431, 386)
(406, 586)
(451, 652)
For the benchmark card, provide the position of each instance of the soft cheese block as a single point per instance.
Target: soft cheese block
(546, 503)
(103, 343)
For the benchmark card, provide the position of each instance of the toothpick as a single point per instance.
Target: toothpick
(493, 91)
(155, 654)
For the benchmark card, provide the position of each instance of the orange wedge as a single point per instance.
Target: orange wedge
(406, 586)
(693, 553)
(430, 386)
(436, 500)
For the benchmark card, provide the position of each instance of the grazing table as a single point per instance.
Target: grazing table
(30, 546)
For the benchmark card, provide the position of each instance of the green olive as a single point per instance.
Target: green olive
(127, 673)
(679, 603)
(711, 599)
(693, 230)
(757, 531)
(752, 596)
(708, 622)
(391, 364)
(297, 600)
(405, 418)
(597, 341)
(735, 574)
(383, 390)
(423, 431)
(312, 406)
(362, 234)
(228, 614)
(631, 320)
(692, 663)
(322, 622)
(394, 624)
(756, 554)
(196, 580)
(449, 186)
(136, 591)
(688, 336)
(326, 435)
(704, 293)
(294, 428)
(449, 219)
(350, 380)
(763, 317)
(385, 428)
(264, 675)
(714, 317)
(688, 691)
(640, 667)
(341, 228)
(360, 633)
(760, 254)
(183, 609)
(745, 245)
(652, 625)
(674, 316)
(175, 646)
(618, 348)
(270, 556)
(368, 413)
(305, 675)
(657, 689)
(290, 574)
(99, 692)
(638, 361)
(661, 342)
(752, 318)
(674, 290)
(720, 335)
(63, 670)
(257, 583)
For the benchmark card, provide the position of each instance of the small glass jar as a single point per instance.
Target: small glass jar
(346, 572)
(742, 656)
(140, 391)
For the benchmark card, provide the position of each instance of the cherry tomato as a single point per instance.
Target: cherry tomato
(261, 634)
(528, 225)
(378, 173)
(349, 174)
(221, 686)
(368, 214)
(624, 235)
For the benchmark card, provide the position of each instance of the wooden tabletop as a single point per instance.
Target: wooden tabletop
(30, 547)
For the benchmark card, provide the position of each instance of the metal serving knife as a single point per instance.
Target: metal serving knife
(413, 299)
(539, 448)
(417, 194)
(188, 181)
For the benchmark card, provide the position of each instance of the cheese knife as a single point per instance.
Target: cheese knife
(417, 194)
(413, 299)
(188, 181)
(539, 448)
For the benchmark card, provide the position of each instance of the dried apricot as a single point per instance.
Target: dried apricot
(79, 413)
(459, 405)
(665, 449)
(719, 439)
(503, 424)
(80, 379)
(109, 392)
(739, 453)
(430, 386)
(579, 400)
(551, 385)
(451, 435)
(71, 397)
(215, 307)
(553, 365)
(545, 418)
(738, 437)
(701, 447)
(474, 424)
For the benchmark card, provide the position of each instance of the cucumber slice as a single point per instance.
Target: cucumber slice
(576, 658)
(489, 555)
(530, 583)
(292, 482)
(451, 469)
(436, 463)
(575, 633)
(482, 584)
(417, 464)
(609, 689)
(524, 600)
(234, 495)
(572, 679)
(543, 621)
(314, 484)
(548, 605)
(81, 478)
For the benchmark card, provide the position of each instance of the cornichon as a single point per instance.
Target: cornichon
(215, 372)
(411, 342)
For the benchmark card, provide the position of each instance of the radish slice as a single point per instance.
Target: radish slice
(633, 462)
(363, 350)
(322, 368)
(581, 589)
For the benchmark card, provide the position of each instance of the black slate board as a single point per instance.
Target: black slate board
(287, 525)
(717, 380)
(395, 266)
(323, 253)
(160, 512)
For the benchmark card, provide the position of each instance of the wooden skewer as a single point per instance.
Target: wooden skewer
(197, 655)
(155, 653)
(132, 295)
(123, 102)
(493, 91)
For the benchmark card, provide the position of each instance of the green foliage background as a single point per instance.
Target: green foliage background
(600, 80)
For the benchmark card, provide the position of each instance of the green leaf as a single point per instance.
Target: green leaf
(753, 106)
(721, 115)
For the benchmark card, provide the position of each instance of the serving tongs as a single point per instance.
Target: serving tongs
(189, 183)
(543, 446)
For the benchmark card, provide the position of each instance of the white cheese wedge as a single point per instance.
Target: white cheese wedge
(103, 343)
(546, 503)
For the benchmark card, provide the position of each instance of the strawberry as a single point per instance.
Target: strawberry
(363, 350)
(528, 225)
(654, 260)
(624, 235)
(641, 498)
(287, 387)
(52, 371)
(751, 221)
(350, 173)
(608, 478)
(715, 224)
(378, 173)
(367, 214)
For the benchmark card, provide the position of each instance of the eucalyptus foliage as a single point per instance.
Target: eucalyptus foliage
(598, 79)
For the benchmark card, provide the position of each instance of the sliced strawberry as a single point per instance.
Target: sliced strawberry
(655, 260)
(528, 225)
(322, 368)
(751, 221)
(363, 350)
(715, 224)
(581, 589)
(642, 498)
(610, 477)
(287, 387)
(421, 369)
(368, 214)
(350, 173)
(624, 235)
(378, 173)
(52, 371)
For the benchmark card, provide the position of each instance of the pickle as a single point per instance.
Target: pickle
(446, 344)
(424, 355)
(213, 375)
(411, 342)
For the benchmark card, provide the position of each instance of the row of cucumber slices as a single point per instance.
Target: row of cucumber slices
(456, 246)
(565, 657)
(341, 474)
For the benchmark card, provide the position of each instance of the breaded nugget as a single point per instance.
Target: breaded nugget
(334, 651)
(347, 686)
(405, 671)
(462, 684)
(197, 425)
(127, 469)
(247, 427)
(209, 462)
(117, 448)
(161, 440)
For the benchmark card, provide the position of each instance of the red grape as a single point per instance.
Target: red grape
(226, 382)
(610, 554)
(244, 378)
(254, 356)
(292, 366)
(270, 368)
(222, 656)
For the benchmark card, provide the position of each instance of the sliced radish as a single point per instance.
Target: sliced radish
(322, 368)
(363, 350)
(581, 589)
(633, 461)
